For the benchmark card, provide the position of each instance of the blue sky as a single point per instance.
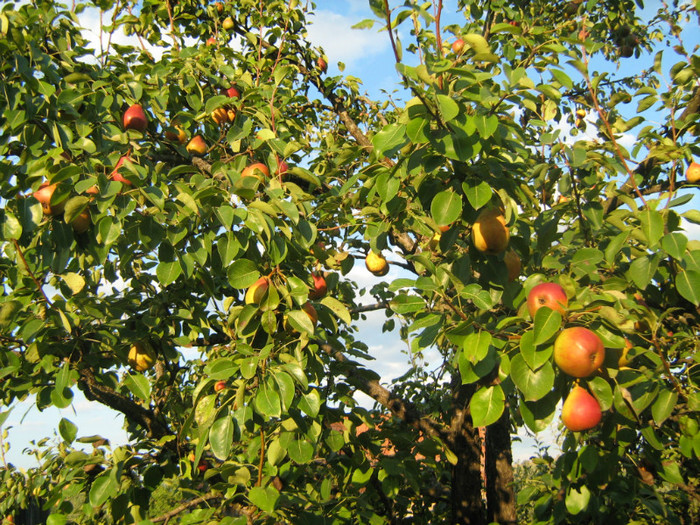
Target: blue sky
(367, 55)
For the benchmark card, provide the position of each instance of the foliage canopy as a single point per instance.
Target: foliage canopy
(173, 240)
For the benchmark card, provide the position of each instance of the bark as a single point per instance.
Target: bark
(500, 496)
(467, 505)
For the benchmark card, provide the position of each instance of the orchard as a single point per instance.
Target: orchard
(181, 218)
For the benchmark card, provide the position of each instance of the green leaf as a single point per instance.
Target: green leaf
(477, 42)
(391, 137)
(481, 298)
(446, 207)
(265, 498)
(75, 281)
(300, 321)
(168, 272)
(267, 401)
(10, 226)
(652, 226)
(68, 430)
(448, 107)
(74, 207)
(337, 308)
(688, 285)
(310, 403)
(486, 405)
(103, 488)
(56, 519)
(138, 385)
(223, 368)
(109, 229)
(642, 270)
(577, 499)
(221, 436)
(692, 216)
(242, 273)
(538, 415)
(547, 323)
(8, 313)
(300, 451)
(602, 391)
(664, 405)
(674, 244)
(533, 384)
(528, 349)
(478, 193)
(404, 303)
(475, 346)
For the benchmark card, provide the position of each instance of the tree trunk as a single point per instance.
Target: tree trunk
(499, 473)
(467, 505)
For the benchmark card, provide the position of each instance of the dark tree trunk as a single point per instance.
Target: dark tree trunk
(467, 505)
(499, 473)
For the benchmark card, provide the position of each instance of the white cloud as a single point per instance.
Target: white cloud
(340, 42)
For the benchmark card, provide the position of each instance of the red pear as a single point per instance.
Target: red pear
(311, 312)
(578, 351)
(233, 92)
(256, 170)
(547, 294)
(116, 175)
(43, 195)
(320, 287)
(580, 411)
(196, 146)
(135, 118)
(257, 291)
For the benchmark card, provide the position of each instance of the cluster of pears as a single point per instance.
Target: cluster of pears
(256, 293)
(578, 352)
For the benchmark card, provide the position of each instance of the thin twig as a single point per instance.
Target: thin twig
(38, 284)
(192, 503)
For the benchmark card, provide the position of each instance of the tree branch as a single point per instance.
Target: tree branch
(398, 407)
(188, 505)
(95, 391)
(648, 164)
